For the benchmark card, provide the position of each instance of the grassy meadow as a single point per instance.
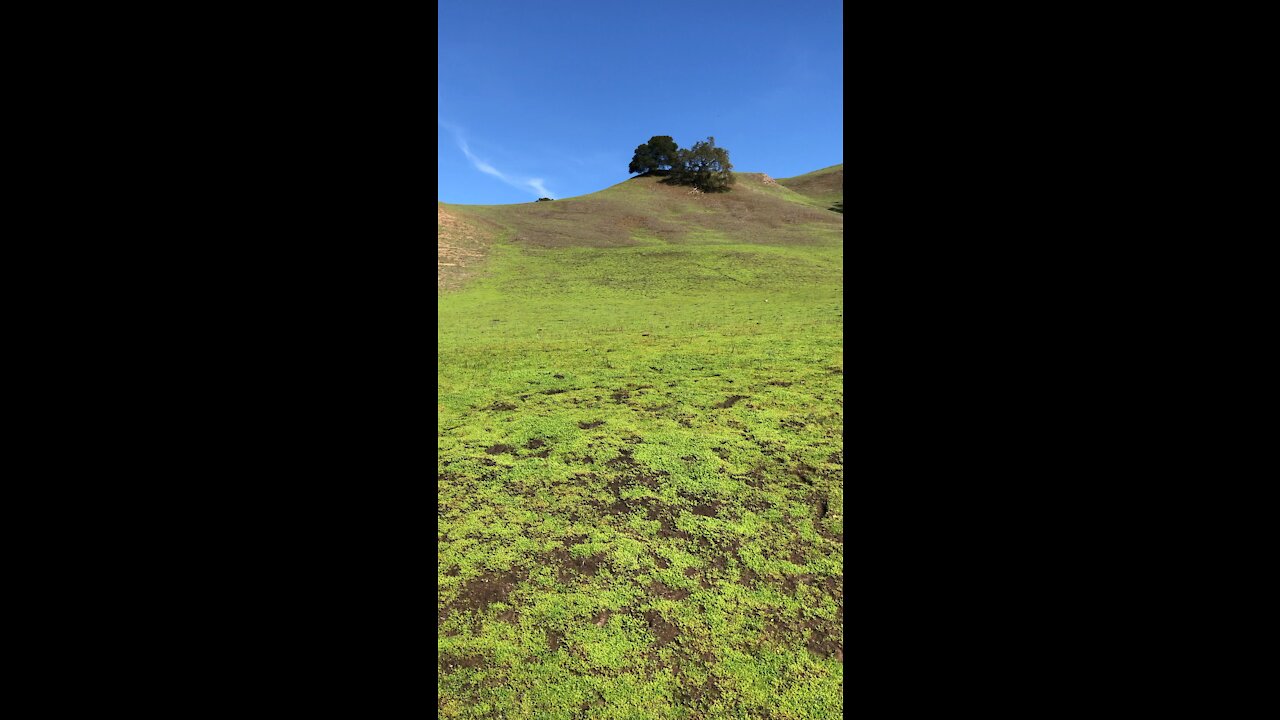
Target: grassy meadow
(640, 456)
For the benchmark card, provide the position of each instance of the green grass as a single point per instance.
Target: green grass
(640, 461)
(821, 188)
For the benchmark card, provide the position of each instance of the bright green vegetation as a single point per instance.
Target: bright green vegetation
(640, 473)
(822, 188)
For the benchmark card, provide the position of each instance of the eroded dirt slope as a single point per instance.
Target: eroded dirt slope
(460, 247)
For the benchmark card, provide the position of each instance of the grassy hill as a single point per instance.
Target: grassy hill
(640, 455)
(823, 188)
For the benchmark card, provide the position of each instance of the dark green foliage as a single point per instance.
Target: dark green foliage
(642, 162)
(665, 151)
(657, 155)
(705, 167)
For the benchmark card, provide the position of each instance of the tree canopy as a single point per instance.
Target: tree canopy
(655, 156)
(703, 166)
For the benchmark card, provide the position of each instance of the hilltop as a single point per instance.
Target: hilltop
(643, 211)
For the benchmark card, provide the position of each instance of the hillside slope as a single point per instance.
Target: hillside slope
(461, 245)
(640, 456)
(823, 188)
(644, 208)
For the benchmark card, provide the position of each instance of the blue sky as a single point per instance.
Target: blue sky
(551, 98)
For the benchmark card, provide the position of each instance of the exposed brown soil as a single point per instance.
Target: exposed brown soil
(660, 589)
(756, 477)
(730, 401)
(562, 562)
(618, 506)
(623, 461)
(825, 642)
(479, 593)
(449, 662)
(791, 583)
(499, 449)
(664, 631)
(835, 586)
(590, 425)
(670, 532)
(668, 529)
(461, 245)
(588, 565)
(706, 510)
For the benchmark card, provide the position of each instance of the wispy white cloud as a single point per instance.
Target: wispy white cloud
(534, 185)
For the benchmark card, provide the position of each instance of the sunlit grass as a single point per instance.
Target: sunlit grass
(640, 476)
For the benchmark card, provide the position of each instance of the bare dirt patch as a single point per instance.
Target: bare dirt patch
(668, 528)
(730, 401)
(792, 583)
(706, 510)
(479, 593)
(664, 631)
(449, 663)
(461, 245)
(589, 565)
(623, 461)
(660, 589)
(562, 562)
(825, 644)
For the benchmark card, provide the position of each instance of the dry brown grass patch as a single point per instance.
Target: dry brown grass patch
(460, 246)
